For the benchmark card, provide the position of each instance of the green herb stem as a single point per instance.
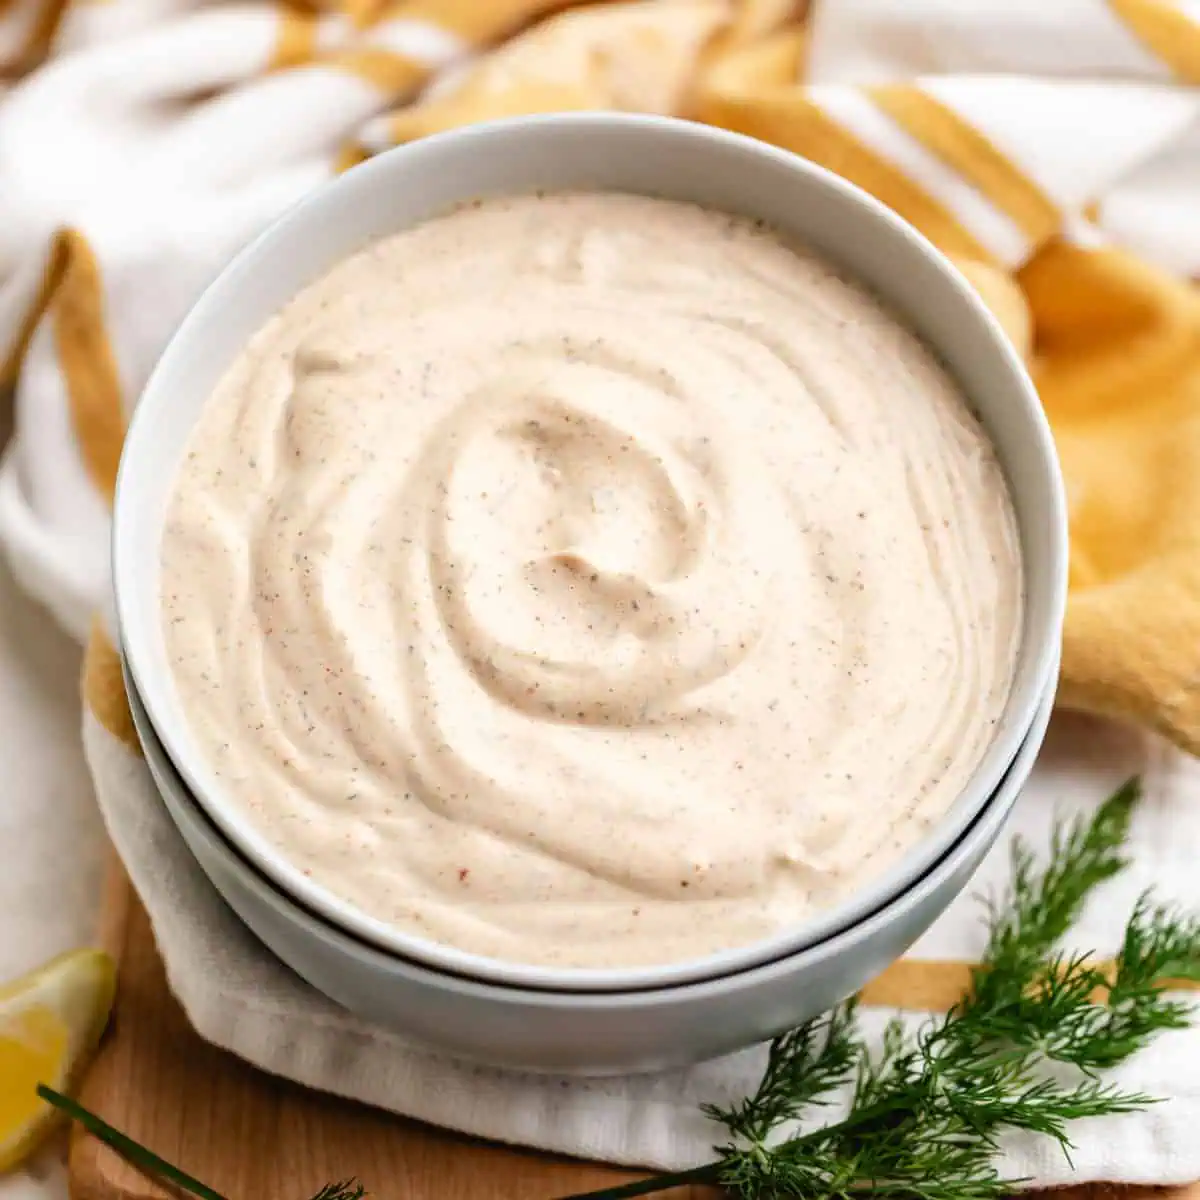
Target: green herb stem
(126, 1147)
(709, 1173)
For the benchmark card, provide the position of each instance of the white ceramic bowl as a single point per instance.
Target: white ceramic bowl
(623, 153)
(571, 1032)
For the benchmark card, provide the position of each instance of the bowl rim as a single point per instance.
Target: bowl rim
(389, 170)
(993, 815)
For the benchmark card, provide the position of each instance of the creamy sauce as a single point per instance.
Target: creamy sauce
(590, 580)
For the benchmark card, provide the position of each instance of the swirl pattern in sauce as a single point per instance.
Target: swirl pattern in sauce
(590, 580)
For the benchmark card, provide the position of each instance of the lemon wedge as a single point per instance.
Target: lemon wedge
(50, 1022)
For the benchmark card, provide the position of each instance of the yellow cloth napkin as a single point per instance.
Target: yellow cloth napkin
(1052, 150)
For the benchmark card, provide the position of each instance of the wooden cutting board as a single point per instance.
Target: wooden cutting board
(254, 1137)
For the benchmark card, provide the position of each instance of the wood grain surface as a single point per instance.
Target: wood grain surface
(255, 1137)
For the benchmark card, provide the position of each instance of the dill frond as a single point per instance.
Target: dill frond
(926, 1110)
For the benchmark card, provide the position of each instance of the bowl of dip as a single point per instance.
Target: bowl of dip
(590, 553)
(572, 1032)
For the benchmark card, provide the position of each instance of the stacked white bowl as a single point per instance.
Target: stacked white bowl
(574, 1020)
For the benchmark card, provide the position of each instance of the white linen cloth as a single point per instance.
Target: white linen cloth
(110, 136)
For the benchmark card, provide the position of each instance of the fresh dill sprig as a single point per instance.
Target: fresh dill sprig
(922, 1113)
(926, 1110)
(347, 1189)
(803, 1068)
